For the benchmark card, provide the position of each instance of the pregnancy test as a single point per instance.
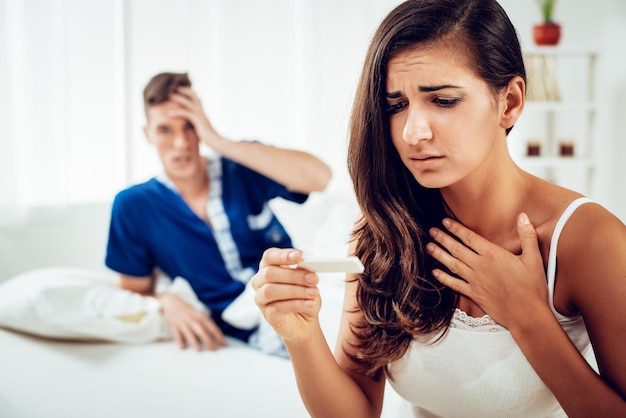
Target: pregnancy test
(350, 264)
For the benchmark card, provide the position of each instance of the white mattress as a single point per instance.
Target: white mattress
(41, 378)
(48, 379)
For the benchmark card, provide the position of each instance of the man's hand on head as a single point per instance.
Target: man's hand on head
(192, 110)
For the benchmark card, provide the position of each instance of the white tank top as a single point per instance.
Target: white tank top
(477, 369)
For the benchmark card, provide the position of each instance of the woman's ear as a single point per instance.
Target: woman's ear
(513, 101)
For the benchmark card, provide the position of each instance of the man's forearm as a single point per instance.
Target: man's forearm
(298, 171)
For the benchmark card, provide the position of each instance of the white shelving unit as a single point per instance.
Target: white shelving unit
(561, 108)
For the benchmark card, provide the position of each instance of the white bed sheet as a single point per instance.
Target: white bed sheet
(42, 378)
(49, 379)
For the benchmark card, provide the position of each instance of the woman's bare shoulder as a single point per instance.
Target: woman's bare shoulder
(593, 228)
(591, 254)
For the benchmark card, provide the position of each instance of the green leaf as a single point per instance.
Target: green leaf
(547, 8)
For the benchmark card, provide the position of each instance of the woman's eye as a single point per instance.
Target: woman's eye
(163, 130)
(395, 107)
(443, 102)
(189, 127)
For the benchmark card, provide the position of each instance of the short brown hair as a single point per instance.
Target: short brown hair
(161, 86)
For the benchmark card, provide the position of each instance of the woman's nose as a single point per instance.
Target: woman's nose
(417, 127)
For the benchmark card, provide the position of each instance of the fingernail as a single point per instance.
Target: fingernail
(292, 256)
(432, 232)
(523, 219)
(446, 222)
(436, 273)
(309, 278)
(430, 247)
(311, 291)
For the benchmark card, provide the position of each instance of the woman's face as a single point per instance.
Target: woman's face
(444, 120)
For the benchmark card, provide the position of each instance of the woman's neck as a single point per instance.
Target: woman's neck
(490, 207)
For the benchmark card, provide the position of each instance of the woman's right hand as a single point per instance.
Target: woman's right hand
(287, 296)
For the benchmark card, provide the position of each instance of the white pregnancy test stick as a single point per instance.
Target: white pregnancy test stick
(350, 264)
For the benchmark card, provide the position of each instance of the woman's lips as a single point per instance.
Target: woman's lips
(425, 160)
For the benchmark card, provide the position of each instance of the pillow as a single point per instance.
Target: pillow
(76, 304)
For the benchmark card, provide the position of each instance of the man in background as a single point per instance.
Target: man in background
(206, 218)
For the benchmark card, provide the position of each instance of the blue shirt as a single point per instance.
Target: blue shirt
(151, 226)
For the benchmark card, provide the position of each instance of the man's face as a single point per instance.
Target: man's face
(175, 140)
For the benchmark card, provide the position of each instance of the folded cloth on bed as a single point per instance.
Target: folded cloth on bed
(77, 304)
(267, 341)
(243, 312)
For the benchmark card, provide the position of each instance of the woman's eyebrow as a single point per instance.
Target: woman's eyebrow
(428, 89)
(423, 89)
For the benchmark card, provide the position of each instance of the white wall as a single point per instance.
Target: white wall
(282, 71)
(71, 236)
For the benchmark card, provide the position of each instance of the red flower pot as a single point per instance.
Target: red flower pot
(547, 33)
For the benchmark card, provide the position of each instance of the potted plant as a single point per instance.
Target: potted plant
(548, 32)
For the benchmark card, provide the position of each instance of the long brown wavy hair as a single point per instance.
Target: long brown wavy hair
(397, 293)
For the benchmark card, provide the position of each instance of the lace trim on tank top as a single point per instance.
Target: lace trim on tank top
(462, 320)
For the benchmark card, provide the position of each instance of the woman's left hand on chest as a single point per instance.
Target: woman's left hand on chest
(506, 286)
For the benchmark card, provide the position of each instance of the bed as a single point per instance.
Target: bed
(59, 374)
(47, 379)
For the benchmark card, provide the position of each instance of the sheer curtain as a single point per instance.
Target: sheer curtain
(72, 74)
(60, 116)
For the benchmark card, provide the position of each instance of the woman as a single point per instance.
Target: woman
(465, 306)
